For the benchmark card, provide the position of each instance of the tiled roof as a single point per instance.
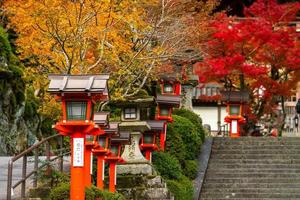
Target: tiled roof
(101, 118)
(78, 83)
(156, 124)
(235, 96)
(124, 137)
(172, 100)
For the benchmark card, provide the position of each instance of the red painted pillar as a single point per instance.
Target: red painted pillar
(148, 154)
(100, 171)
(162, 141)
(77, 189)
(112, 176)
(87, 166)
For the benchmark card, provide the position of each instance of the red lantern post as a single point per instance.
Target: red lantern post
(114, 157)
(77, 95)
(235, 101)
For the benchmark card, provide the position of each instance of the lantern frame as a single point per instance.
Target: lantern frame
(229, 106)
(106, 140)
(164, 117)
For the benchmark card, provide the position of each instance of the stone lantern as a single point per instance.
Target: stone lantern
(78, 95)
(135, 112)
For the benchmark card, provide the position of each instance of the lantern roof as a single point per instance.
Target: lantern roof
(101, 119)
(132, 126)
(235, 96)
(172, 100)
(139, 102)
(124, 138)
(78, 84)
(113, 128)
(156, 125)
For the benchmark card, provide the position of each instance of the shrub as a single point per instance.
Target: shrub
(190, 169)
(182, 189)
(194, 118)
(61, 192)
(167, 165)
(106, 195)
(183, 141)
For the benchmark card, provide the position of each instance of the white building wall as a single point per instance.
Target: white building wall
(209, 115)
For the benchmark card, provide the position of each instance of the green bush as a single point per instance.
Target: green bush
(194, 118)
(183, 140)
(190, 169)
(106, 195)
(62, 192)
(182, 189)
(167, 165)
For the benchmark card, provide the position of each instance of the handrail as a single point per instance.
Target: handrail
(25, 176)
(223, 130)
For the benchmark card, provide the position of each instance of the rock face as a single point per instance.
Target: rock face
(253, 168)
(18, 120)
(149, 187)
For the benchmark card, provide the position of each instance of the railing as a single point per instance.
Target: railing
(24, 154)
(224, 130)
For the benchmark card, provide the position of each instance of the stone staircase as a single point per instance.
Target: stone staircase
(253, 168)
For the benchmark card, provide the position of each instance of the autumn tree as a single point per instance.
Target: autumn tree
(255, 53)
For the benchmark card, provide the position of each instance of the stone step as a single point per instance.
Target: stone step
(249, 198)
(255, 139)
(223, 175)
(251, 185)
(255, 156)
(255, 151)
(250, 190)
(250, 195)
(253, 170)
(225, 166)
(254, 161)
(251, 180)
(256, 147)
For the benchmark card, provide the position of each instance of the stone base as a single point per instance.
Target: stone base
(135, 169)
(137, 187)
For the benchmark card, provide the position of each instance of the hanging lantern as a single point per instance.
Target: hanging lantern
(89, 138)
(234, 109)
(148, 138)
(103, 141)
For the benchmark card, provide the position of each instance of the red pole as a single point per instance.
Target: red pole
(112, 176)
(100, 171)
(162, 141)
(148, 154)
(87, 166)
(77, 189)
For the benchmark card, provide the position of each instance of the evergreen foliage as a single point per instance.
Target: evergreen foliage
(182, 189)
(178, 164)
(167, 165)
(194, 118)
(62, 192)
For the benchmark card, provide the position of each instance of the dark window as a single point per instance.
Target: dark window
(114, 149)
(130, 113)
(168, 88)
(164, 111)
(148, 139)
(76, 110)
(234, 110)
